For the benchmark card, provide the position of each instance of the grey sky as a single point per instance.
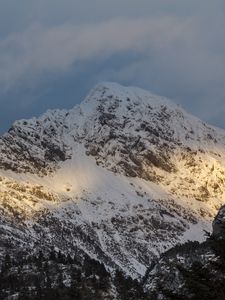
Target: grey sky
(53, 51)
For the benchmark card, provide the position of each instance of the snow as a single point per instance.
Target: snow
(129, 217)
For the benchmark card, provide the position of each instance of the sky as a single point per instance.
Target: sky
(52, 52)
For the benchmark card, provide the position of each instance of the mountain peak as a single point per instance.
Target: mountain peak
(125, 93)
(126, 174)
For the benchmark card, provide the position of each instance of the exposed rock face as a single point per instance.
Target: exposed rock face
(145, 136)
(219, 224)
(122, 177)
(35, 145)
(192, 270)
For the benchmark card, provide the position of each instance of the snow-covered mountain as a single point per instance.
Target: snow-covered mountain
(121, 177)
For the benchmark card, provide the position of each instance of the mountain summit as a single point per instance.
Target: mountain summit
(122, 177)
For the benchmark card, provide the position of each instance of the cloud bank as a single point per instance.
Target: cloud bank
(40, 49)
(174, 49)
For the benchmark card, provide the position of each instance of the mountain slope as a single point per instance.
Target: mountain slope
(121, 177)
(192, 270)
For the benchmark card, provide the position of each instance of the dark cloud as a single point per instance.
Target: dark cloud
(52, 52)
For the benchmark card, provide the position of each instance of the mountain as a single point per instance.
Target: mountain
(120, 178)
